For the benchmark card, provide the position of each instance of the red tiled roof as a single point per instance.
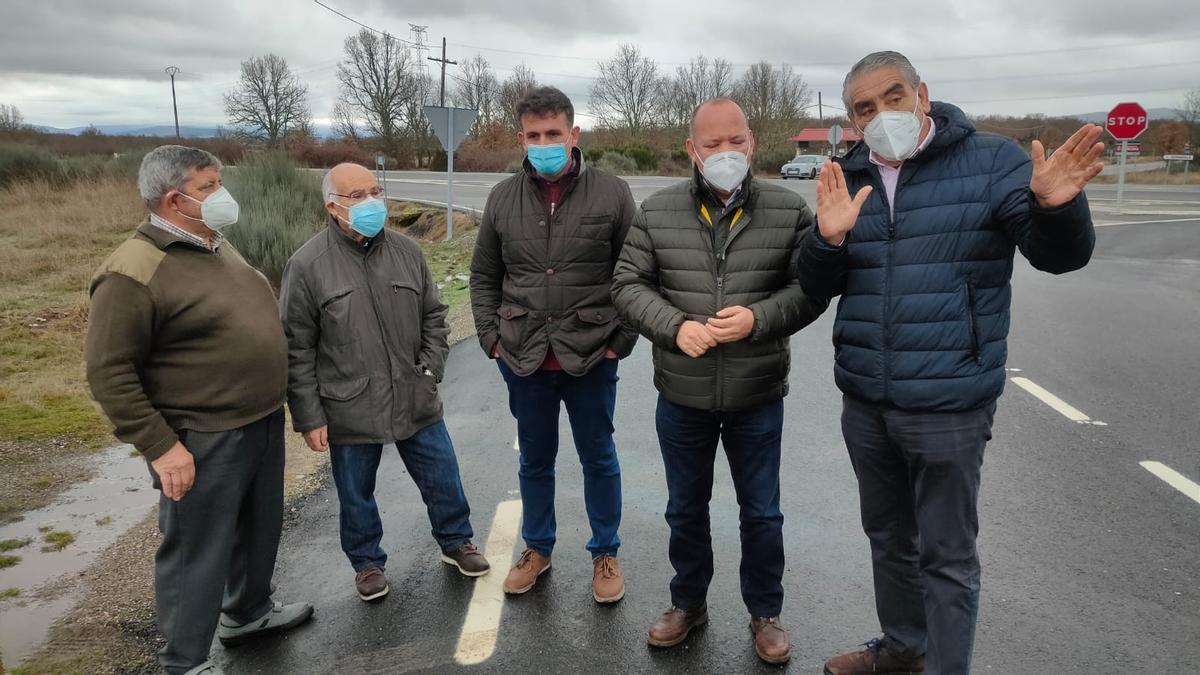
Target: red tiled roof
(821, 134)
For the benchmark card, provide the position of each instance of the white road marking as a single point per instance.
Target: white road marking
(481, 627)
(1174, 479)
(1151, 222)
(1066, 409)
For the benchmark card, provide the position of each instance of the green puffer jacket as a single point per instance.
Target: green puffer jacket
(672, 268)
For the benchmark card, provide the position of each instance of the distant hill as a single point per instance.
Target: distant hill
(164, 131)
(1154, 113)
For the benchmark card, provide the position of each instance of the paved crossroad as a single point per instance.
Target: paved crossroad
(1090, 512)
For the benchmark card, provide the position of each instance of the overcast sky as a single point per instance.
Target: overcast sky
(68, 63)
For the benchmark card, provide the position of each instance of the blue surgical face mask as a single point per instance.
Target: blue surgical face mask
(366, 217)
(548, 160)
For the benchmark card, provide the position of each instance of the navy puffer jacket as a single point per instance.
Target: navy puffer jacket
(923, 319)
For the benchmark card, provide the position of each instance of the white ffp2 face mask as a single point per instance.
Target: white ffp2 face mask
(726, 170)
(218, 210)
(894, 134)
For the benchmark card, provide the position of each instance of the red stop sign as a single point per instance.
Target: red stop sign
(1126, 121)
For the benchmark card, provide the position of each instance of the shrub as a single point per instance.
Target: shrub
(647, 159)
(281, 207)
(24, 164)
(487, 160)
(330, 153)
(617, 163)
(769, 161)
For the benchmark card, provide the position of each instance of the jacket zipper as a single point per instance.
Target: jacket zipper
(382, 330)
(887, 284)
(976, 351)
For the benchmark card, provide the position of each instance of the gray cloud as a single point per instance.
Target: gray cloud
(71, 63)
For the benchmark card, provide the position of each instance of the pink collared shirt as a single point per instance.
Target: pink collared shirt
(890, 175)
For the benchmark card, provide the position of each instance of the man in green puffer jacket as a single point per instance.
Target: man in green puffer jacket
(704, 274)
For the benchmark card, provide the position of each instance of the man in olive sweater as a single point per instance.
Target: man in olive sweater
(187, 358)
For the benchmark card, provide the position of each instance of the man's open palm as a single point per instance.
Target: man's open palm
(1059, 177)
(836, 211)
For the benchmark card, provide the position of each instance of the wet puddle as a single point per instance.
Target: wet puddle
(95, 513)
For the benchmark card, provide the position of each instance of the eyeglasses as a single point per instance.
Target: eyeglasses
(362, 194)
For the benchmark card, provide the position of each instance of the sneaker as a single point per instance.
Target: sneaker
(468, 560)
(279, 618)
(675, 624)
(525, 573)
(206, 668)
(771, 640)
(875, 659)
(371, 584)
(607, 583)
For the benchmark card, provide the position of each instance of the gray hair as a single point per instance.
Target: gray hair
(166, 168)
(875, 61)
(327, 189)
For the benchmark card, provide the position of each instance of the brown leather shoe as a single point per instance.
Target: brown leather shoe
(771, 640)
(525, 573)
(468, 560)
(371, 584)
(607, 583)
(675, 624)
(875, 659)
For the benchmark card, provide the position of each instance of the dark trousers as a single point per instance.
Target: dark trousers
(590, 400)
(918, 484)
(219, 542)
(429, 457)
(751, 438)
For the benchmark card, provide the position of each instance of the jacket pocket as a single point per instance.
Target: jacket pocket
(336, 316)
(343, 390)
(972, 320)
(513, 328)
(426, 404)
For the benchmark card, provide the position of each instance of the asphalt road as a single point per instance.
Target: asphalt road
(1091, 562)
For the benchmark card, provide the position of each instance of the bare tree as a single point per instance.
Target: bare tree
(343, 121)
(420, 139)
(376, 80)
(477, 88)
(693, 84)
(11, 118)
(774, 99)
(268, 101)
(520, 81)
(1189, 114)
(628, 92)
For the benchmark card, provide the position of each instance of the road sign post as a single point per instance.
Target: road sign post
(1125, 122)
(451, 126)
(835, 137)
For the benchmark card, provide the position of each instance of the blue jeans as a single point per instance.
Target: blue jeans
(590, 400)
(429, 457)
(751, 438)
(918, 484)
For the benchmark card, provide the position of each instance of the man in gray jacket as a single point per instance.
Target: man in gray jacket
(705, 274)
(540, 292)
(366, 334)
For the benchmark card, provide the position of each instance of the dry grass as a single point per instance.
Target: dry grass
(1176, 177)
(51, 239)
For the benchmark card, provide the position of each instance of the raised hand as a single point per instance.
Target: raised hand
(1059, 177)
(836, 211)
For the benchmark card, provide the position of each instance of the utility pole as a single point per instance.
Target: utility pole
(444, 63)
(820, 109)
(171, 70)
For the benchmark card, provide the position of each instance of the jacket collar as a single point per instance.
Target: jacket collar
(343, 239)
(703, 192)
(952, 128)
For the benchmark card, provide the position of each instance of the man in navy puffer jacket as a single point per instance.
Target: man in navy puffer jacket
(922, 255)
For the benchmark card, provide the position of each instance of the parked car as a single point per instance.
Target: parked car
(802, 166)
